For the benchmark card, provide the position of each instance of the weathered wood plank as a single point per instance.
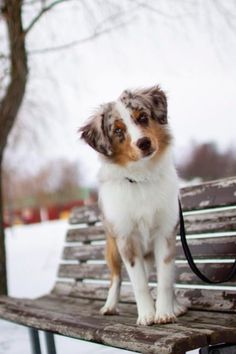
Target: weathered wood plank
(78, 305)
(203, 196)
(216, 329)
(212, 247)
(222, 248)
(211, 194)
(86, 214)
(212, 327)
(87, 234)
(213, 271)
(103, 329)
(196, 299)
(215, 221)
(184, 275)
(84, 252)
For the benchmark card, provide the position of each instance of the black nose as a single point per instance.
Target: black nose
(144, 144)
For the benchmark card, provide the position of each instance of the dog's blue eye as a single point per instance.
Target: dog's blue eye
(142, 119)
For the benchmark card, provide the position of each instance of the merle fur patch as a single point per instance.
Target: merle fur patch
(152, 100)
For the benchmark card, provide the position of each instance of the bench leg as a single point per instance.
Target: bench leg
(34, 340)
(219, 349)
(50, 343)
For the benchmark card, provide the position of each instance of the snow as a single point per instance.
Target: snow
(33, 253)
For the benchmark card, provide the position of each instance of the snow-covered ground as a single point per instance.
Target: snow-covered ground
(33, 254)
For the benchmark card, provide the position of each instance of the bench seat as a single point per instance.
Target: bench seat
(72, 307)
(79, 318)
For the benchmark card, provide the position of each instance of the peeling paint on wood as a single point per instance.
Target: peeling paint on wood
(80, 318)
(183, 273)
(200, 299)
(195, 224)
(220, 247)
(211, 194)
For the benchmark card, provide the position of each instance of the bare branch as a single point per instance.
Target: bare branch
(5, 72)
(31, 2)
(79, 41)
(42, 12)
(4, 56)
(110, 19)
(227, 14)
(158, 11)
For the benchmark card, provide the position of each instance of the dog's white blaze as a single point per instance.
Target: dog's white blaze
(134, 132)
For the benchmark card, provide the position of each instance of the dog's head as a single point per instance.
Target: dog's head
(132, 128)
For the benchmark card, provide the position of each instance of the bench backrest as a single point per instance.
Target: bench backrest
(210, 218)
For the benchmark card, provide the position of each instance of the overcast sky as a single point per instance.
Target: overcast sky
(189, 48)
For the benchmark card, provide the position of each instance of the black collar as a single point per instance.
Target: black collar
(130, 180)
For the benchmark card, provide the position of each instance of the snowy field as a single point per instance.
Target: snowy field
(33, 253)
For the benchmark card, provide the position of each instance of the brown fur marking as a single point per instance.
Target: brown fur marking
(130, 251)
(124, 153)
(149, 256)
(113, 257)
(171, 244)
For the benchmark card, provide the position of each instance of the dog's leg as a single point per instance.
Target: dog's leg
(134, 263)
(114, 262)
(165, 261)
(148, 263)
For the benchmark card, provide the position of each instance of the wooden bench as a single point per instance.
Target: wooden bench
(72, 307)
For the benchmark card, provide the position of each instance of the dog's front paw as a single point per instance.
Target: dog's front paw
(109, 311)
(146, 319)
(165, 317)
(179, 309)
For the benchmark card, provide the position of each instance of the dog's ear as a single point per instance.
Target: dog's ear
(157, 101)
(95, 135)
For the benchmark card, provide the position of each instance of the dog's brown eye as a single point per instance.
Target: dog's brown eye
(118, 132)
(143, 119)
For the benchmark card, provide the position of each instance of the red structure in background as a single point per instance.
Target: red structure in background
(36, 215)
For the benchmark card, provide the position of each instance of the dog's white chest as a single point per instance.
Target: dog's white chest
(143, 205)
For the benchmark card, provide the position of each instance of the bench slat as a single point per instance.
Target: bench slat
(215, 221)
(88, 214)
(196, 299)
(183, 273)
(204, 196)
(210, 194)
(215, 247)
(78, 305)
(87, 234)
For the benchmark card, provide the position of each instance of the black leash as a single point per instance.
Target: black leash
(190, 260)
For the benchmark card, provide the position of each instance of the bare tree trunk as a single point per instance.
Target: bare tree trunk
(15, 91)
(3, 271)
(11, 102)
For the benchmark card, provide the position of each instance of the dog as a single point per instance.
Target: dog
(138, 196)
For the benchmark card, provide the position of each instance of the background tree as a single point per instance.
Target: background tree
(11, 102)
(207, 162)
(15, 64)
